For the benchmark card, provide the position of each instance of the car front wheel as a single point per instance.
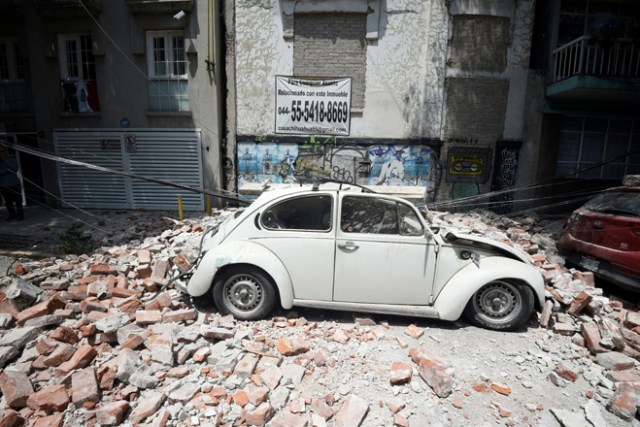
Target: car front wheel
(501, 305)
(244, 292)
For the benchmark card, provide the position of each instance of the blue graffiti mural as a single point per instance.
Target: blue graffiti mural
(259, 162)
(395, 165)
(400, 165)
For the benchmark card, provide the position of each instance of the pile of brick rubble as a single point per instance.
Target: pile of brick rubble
(99, 339)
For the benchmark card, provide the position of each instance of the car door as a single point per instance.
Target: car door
(300, 231)
(382, 254)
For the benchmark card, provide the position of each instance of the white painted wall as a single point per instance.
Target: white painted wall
(405, 69)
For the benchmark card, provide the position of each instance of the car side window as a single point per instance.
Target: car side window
(311, 213)
(378, 216)
(369, 215)
(410, 224)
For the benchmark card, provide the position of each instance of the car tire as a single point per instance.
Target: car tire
(245, 292)
(501, 305)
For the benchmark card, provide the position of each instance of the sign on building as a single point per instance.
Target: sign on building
(306, 106)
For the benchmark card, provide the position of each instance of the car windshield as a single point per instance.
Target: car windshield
(618, 203)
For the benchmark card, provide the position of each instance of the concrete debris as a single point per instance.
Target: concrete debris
(106, 339)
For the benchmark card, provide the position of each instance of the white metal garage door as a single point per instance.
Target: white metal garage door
(171, 155)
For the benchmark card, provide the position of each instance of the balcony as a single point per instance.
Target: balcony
(159, 6)
(596, 72)
(67, 8)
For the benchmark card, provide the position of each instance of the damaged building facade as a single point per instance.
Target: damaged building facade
(438, 94)
(437, 101)
(131, 86)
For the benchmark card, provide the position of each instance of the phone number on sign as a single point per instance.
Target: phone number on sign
(319, 111)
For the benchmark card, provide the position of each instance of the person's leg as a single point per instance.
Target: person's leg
(8, 202)
(17, 200)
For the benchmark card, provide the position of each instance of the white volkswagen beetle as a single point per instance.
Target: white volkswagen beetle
(341, 247)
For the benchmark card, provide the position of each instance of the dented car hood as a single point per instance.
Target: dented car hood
(461, 239)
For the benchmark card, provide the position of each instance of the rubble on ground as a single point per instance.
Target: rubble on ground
(105, 339)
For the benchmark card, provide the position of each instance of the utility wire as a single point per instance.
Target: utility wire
(486, 205)
(56, 158)
(552, 181)
(99, 157)
(99, 217)
(59, 212)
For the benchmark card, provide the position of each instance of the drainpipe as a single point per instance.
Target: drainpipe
(228, 146)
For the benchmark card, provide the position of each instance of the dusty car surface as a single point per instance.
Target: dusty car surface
(341, 247)
(603, 236)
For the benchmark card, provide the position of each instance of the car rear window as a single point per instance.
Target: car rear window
(617, 203)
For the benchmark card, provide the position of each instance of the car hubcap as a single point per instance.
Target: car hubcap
(497, 301)
(243, 292)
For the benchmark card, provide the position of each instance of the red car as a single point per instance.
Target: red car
(603, 236)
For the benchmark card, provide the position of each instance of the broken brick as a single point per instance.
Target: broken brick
(84, 386)
(291, 347)
(351, 412)
(16, 388)
(51, 398)
(592, 337)
(414, 331)
(148, 317)
(579, 303)
(81, 358)
(102, 269)
(400, 373)
(112, 414)
(501, 388)
(38, 310)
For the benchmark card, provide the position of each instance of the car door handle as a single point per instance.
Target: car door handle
(348, 246)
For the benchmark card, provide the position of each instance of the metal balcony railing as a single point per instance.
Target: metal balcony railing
(592, 57)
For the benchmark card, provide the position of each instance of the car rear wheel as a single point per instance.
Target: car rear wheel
(244, 292)
(501, 305)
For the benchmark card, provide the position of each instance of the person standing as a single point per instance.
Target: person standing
(10, 185)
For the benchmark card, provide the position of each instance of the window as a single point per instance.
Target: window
(378, 216)
(332, 45)
(14, 95)
(597, 18)
(309, 213)
(585, 142)
(78, 73)
(167, 62)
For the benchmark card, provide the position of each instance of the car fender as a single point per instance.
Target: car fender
(241, 252)
(455, 294)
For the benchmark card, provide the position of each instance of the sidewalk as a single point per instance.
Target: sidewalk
(38, 234)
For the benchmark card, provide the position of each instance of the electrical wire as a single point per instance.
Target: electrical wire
(59, 212)
(60, 159)
(99, 157)
(452, 203)
(99, 217)
(486, 205)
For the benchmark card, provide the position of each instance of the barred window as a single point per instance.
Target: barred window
(601, 148)
(168, 80)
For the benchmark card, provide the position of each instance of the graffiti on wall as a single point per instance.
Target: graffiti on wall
(395, 165)
(468, 164)
(504, 175)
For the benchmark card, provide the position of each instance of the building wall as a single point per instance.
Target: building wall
(450, 76)
(119, 47)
